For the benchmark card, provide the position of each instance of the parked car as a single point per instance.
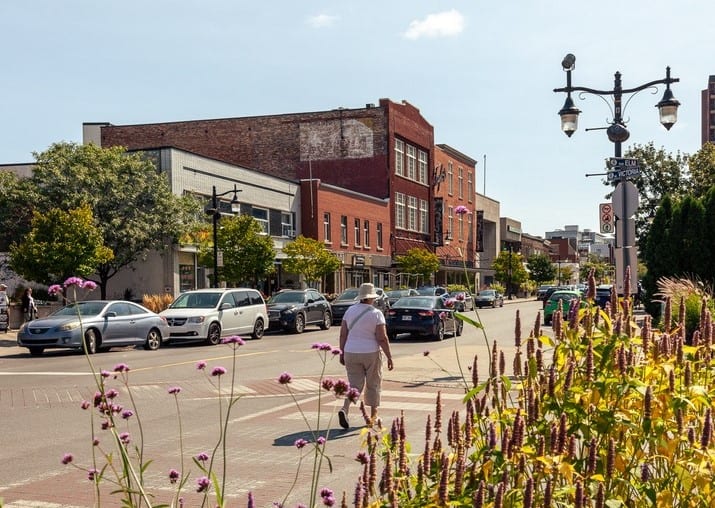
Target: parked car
(432, 290)
(489, 298)
(422, 315)
(396, 294)
(542, 290)
(551, 291)
(209, 314)
(350, 297)
(552, 304)
(464, 298)
(603, 294)
(101, 324)
(293, 309)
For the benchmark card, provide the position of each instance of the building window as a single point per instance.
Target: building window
(411, 162)
(450, 221)
(450, 179)
(399, 210)
(460, 219)
(470, 186)
(399, 157)
(287, 225)
(412, 213)
(424, 216)
(379, 235)
(326, 227)
(343, 230)
(356, 231)
(422, 166)
(261, 216)
(460, 183)
(366, 234)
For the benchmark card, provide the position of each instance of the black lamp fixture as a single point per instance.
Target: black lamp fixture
(216, 214)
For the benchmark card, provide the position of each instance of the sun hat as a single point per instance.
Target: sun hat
(3, 286)
(367, 290)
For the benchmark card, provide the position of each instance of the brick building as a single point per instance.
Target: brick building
(708, 112)
(385, 151)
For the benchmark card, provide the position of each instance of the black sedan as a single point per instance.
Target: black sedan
(430, 316)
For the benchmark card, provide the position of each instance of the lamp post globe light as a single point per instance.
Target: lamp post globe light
(625, 193)
(215, 213)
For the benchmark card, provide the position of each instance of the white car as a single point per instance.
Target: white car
(210, 314)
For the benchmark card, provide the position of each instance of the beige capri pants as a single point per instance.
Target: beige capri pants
(365, 371)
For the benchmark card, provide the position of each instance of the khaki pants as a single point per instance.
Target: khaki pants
(365, 372)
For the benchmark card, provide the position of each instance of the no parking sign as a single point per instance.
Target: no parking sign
(605, 214)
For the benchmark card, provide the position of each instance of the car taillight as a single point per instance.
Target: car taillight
(426, 313)
(391, 312)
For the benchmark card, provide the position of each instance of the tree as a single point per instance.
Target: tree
(248, 254)
(130, 198)
(59, 245)
(701, 166)
(600, 268)
(309, 258)
(685, 237)
(418, 261)
(509, 269)
(17, 202)
(541, 270)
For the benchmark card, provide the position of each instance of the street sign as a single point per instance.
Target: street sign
(622, 162)
(606, 218)
(623, 174)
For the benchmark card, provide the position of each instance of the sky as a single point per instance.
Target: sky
(481, 72)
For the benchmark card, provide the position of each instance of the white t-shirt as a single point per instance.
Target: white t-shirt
(361, 333)
(4, 300)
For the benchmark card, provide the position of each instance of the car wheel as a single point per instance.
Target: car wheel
(214, 335)
(547, 320)
(327, 321)
(36, 351)
(153, 340)
(299, 324)
(90, 341)
(459, 327)
(258, 329)
(501, 303)
(439, 334)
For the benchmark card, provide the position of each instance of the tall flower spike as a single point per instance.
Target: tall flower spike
(517, 330)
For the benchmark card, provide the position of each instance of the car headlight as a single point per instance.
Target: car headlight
(69, 326)
(197, 319)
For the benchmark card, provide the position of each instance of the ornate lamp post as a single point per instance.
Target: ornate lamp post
(216, 214)
(617, 133)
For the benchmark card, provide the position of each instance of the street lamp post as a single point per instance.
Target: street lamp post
(216, 214)
(617, 133)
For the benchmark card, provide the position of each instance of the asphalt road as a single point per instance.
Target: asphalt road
(41, 418)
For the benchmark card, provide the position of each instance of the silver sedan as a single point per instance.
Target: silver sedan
(102, 324)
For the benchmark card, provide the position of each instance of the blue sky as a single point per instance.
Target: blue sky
(481, 72)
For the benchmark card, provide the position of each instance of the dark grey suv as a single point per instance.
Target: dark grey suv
(350, 297)
(293, 309)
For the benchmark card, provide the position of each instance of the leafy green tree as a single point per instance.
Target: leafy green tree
(248, 253)
(600, 268)
(509, 269)
(309, 258)
(708, 239)
(685, 237)
(418, 261)
(541, 269)
(130, 198)
(59, 245)
(701, 166)
(17, 202)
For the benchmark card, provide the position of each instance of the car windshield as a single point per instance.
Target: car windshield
(562, 295)
(196, 301)
(398, 293)
(427, 291)
(287, 297)
(348, 294)
(82, 309)
(414, 301)
(487, 292)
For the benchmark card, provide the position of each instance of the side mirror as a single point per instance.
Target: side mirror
(225, 305)
(110, 314)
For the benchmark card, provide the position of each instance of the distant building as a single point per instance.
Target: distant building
(582, 242)
(708, 112)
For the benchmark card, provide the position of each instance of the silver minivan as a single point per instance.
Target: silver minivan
(210, 314)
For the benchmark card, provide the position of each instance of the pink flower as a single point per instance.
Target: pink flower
(174, 390)
(218, 371)
(74, 281)
(233, 339)
(461, 210)
(121, 367)
(300, 443)
(284, 378)
(200, 365)
(173, 475)
(67, 458)
(90, 285)
(54, 289)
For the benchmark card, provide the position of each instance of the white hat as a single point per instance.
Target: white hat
(367, 290)
(2, 286)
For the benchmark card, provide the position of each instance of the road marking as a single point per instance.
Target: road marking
(21, 503)
(41, 373)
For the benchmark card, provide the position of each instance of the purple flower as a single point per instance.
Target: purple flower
(91, 474)
(106, 424)
(325, 492)
(85, 404)
(200, 365)
(202, 484)
(449, 303)
(67, 458)
(95, 442)
(54, 289)
(320, 440)
(461, 210)
(73, 281)
(202, 457)
(173, 475)
(218, 371)
(285, 378)
(329, 501)
(362, 458)
(251, 501)
(322, 346)
(341, 387)
(128, 413)
(300, 443)
(121, 367)
(443, 315)
(426, 353)
(111, 393)
(174, 390)
(125, 438)
(353, 395)
(234, 339)
(460, 297)
(90, 285)
(327, 384)
(336, 351)
(105, 373)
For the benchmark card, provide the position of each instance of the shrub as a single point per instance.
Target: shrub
(157, 303)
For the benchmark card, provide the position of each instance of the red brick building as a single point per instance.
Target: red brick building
(385, 151)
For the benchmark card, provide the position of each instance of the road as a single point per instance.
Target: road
(41, 418)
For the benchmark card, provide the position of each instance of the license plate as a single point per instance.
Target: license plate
(406, 318)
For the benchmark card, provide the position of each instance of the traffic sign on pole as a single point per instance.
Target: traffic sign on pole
(606, 218)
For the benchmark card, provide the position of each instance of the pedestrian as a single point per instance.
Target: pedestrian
(29, 309)
(4, 309)
(4, 300)
(363, 340)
